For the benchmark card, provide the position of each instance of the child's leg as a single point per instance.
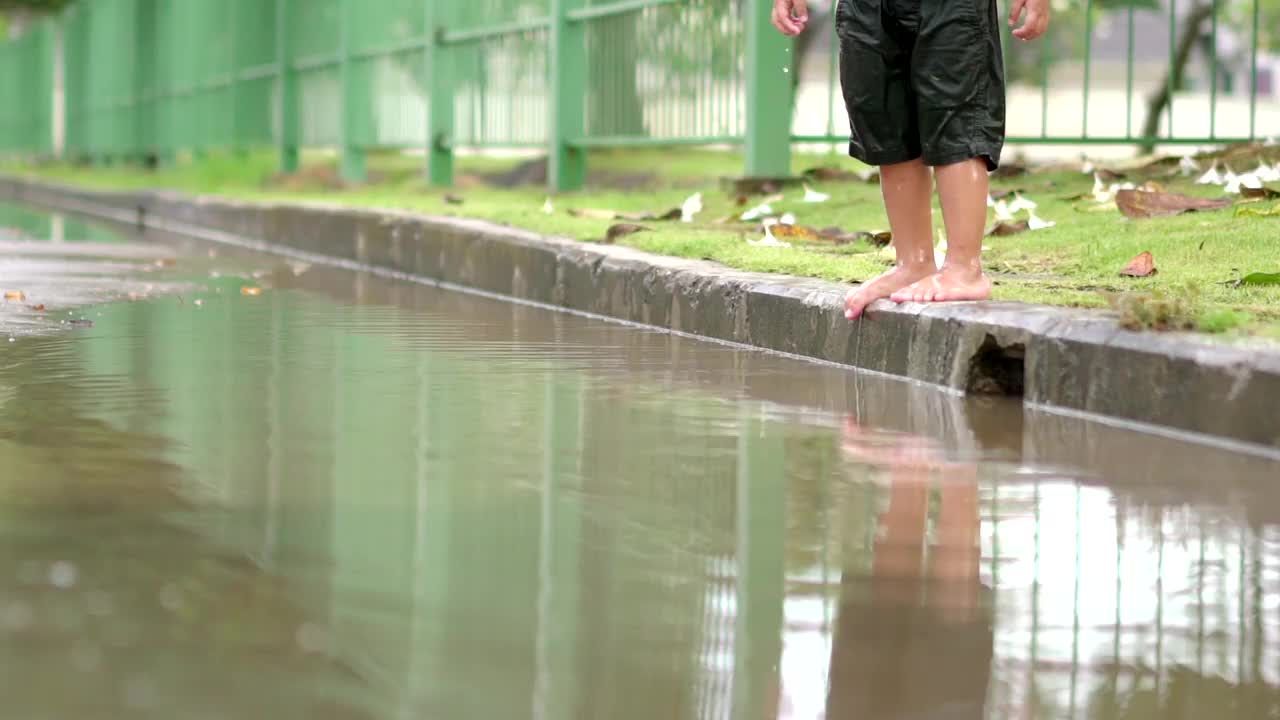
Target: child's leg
(962, 188)
(907, 189)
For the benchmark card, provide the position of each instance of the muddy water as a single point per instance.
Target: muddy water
(349, 497)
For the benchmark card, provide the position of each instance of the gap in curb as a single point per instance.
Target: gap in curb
(997, 369)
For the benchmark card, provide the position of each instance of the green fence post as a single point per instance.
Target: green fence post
(355, 93)
(567, 165)
(770, 94)
(439, 97)
(287, 93)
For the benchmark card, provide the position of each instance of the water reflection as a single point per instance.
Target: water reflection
(353, 498)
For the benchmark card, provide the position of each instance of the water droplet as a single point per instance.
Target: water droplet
(786, 70)
(13, 339)
(62, 575)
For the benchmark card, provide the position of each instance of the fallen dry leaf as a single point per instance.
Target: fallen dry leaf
(165, 262)
(1109, 175)
(251, 290)
(1151, 186)
(1262, 193)
(622, 230)
(1002, 229)
(795, 232)
(877, 239)
(451, 199)
(1141, 266)
(37, 308)
(1141, 204)
(15, 295)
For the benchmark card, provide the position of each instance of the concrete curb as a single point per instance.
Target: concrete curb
(1071, 360)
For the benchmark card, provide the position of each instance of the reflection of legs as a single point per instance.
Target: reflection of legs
(955, 556)
(898, 558)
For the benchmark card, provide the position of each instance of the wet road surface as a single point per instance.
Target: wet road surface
(350, 497)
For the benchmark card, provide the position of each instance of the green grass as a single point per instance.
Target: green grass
(1075, 263)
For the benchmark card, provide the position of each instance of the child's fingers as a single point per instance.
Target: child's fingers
(1034, 26)
(800, 11)
(782, 20)
(1015, 10)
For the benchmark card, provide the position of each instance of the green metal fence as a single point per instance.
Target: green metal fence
(149, 79)
(26, 94)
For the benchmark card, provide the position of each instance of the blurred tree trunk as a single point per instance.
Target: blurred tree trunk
(1159, 100)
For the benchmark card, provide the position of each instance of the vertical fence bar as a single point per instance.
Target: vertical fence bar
(1088, 48)
(770, 94)
(440, 110)
(287, 93)
(1045, 52)
(355, 92)
(1213, 78)
(567, 165)
(1253, 76)
(1173, 42)
(1128, 83)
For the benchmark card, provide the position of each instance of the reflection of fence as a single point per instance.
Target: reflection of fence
(152, 78)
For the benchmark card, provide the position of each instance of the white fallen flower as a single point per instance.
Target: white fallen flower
(1250, 180)
(1100, 192)
(757, 212)
(1232, 187)
(1001, 209)
(1267, 173)
(1210, 177)
(768, 240)
(1034, 222)
(1188, 165)
(1229, 177)
(991, 202)
(1086, 165)
(547, 207)
(787, 219)
(691, 207)
(813, 196)
(1021, 203)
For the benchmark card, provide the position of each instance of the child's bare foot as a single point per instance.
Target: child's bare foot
(883, 286)
(949, 284)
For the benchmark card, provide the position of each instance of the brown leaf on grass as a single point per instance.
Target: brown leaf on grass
(451, 199)
(672, 214)
(741, 199)
(1273, 211)
(1257, 194)
(1003, 229)
(622, 230)
(17, 295)
(603, 214)
(1141, 204)
(250, 291)
(1141, 266)
(1109, 175)
(877, 239)
(37, 308)
(795, 232)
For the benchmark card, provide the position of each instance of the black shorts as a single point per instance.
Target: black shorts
(922, 78)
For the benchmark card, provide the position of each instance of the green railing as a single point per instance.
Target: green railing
(149, 79)
(26, 94)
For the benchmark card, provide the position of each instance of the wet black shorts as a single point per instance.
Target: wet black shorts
(922, 78)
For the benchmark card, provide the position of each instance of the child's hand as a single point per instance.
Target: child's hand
(1035, 22)
(790, 16)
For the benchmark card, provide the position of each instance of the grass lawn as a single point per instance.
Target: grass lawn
(1077, 262)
